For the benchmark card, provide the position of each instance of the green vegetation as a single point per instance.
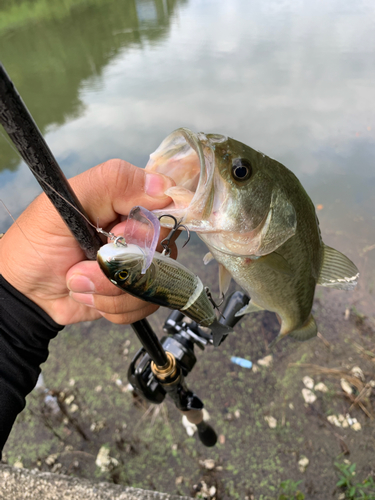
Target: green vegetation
(354, 490)
(289, 490)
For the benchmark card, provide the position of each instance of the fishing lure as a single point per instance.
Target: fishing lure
(133, 264)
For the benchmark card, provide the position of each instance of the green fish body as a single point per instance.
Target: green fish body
(258, 223)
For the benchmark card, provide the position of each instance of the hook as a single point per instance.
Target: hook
(211, 299)
(166, 241)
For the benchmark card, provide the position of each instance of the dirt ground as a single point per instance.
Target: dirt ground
(268, 433)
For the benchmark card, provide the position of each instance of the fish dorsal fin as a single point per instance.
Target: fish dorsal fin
(207, 258)
(280, 225)
(224, 279)
(337, 270)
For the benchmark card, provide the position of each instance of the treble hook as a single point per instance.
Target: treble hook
(166, 241)
(211, 299)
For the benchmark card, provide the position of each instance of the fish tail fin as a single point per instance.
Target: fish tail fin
(307, 331)
(219, 332)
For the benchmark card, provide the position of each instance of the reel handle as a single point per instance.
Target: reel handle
(206, 433)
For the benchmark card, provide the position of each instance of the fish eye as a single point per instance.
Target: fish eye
(241, 169)
(122, 275)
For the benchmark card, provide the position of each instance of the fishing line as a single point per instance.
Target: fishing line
(9, 142)
(100, 230)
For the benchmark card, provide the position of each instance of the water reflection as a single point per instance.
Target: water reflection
(295, 80)
(50, 55)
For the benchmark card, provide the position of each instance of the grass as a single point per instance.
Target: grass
(289, 490)
(353, 489)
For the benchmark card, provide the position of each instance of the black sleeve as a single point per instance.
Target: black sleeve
(25, 332)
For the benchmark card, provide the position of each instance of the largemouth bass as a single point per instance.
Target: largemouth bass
(166, 283)
(257, 221)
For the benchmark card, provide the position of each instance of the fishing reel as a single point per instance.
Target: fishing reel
(182, 335)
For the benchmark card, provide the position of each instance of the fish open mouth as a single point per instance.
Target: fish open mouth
(189, 159)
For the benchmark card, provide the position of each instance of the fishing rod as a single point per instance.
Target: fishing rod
(167, 363)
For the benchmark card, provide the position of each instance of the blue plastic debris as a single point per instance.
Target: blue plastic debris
(244, 363)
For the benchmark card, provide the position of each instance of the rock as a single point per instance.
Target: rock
(266, 361)
(21, 484)
(51, 459)
(69, 400)
(271, 421)
(303, 462)
(308, 396)
(346, 387)
(308, 382)
(321, 387)
(332, 419)
(104, 461)
(208, 464)
(212, 491)
(357, 372)
(356, 426)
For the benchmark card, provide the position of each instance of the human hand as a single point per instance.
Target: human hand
(50, 268)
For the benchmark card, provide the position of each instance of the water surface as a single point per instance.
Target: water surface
(296, 80)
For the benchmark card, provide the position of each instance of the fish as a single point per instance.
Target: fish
(258, 223)
(165, 282)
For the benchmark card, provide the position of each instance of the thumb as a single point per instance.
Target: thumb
(115, 186)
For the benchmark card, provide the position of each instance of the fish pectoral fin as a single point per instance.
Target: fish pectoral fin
(224, 279)
(249, 308)
(276, 262)
(280, 225)
(307, 331)
(337, 270)
(208, 258)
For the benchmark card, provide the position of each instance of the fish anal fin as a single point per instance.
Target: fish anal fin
(249, 308)
(337, 270)
(307, 331)
(224, 279)
(208, 258)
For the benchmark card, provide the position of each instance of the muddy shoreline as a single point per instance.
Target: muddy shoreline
(86, 377)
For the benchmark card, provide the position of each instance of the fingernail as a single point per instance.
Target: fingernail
(81, 284)
(157, 184)
(83, 298)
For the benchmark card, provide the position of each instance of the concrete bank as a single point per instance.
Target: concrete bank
(23, 484)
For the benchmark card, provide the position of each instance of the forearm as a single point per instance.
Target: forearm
(25, 332)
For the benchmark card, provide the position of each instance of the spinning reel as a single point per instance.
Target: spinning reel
(154, 381)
